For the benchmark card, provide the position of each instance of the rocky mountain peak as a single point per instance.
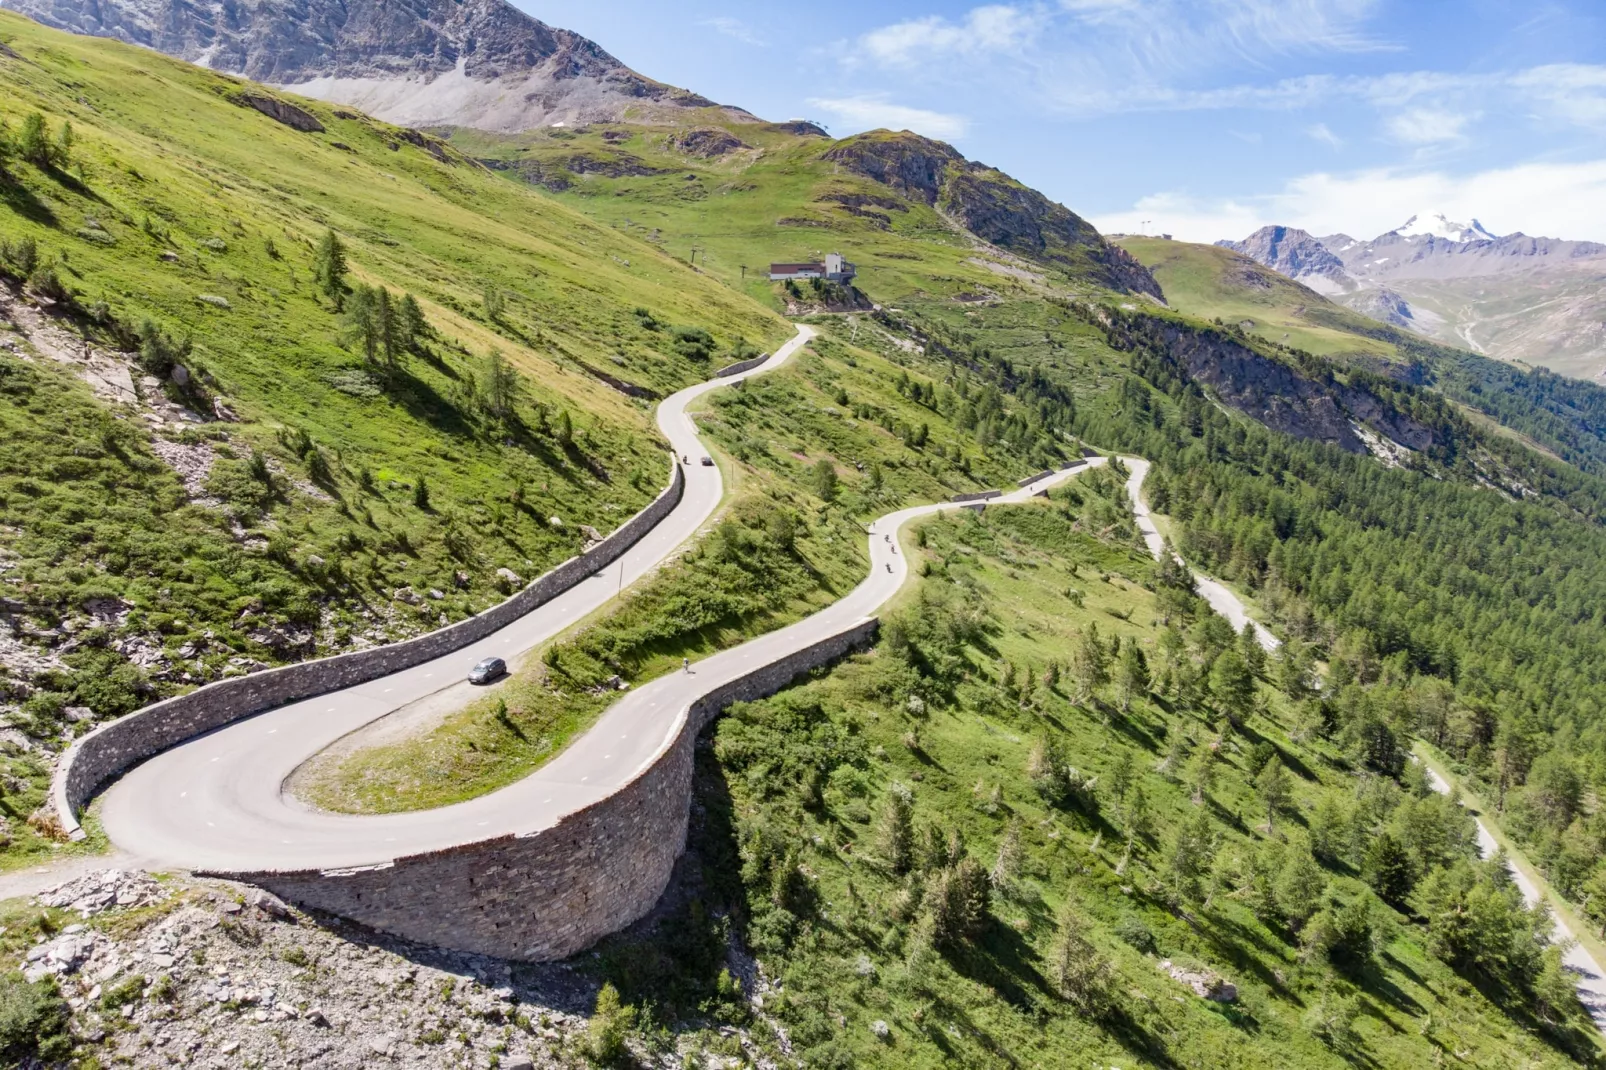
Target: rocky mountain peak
(991, 205)
(480, 63)
(1295, 253)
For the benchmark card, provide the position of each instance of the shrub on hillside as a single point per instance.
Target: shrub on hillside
(33, 1021)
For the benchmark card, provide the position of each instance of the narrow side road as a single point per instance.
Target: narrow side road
(1577, 958)
(1221, 599)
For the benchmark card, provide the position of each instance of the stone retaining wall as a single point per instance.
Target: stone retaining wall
(979, 496)
(118, 745)
(1029, 480)
(553, 893)
(741, 366)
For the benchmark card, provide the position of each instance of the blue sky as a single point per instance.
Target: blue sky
(1203, 118)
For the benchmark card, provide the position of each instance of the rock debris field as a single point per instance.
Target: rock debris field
(210, 974)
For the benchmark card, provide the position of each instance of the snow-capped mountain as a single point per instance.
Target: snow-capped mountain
(1538, 300)
(1438, 225)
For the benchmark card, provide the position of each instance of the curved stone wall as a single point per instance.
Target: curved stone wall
(552, 893)
(118, 745)
(740, 366)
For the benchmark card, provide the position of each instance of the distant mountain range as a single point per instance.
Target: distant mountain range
(480, 63)
(1540, 301)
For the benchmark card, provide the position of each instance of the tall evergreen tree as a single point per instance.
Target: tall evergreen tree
(329, 267)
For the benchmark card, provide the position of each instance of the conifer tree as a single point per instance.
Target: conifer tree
(329, 267)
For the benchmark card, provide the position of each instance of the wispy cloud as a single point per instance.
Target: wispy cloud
(872, 111)
(1076, 48)
(1085, 58)
(1428, 126)
(1321, 132)
(1564, 200)
(735, 29)
(1575, 93)
(994, 28)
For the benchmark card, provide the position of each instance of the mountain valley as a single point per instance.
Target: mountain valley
(341, 324)
(1533, 301)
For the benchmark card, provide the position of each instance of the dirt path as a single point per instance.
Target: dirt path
(33, 880)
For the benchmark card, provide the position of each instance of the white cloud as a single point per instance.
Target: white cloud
(1552, 200)
(994, 28)
(1574, 93)
(1320, 132)
(735, 29)
(1080, 58)
(873, 112)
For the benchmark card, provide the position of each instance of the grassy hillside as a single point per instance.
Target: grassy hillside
(1215, 283)
(767, 193)
(205, 472)
(986, 843)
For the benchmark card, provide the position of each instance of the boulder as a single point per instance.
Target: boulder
(1205, 984)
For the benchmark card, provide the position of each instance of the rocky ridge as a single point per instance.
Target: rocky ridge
(992, 206)
(1297, 254)
(480, 63)
(216, 975)
(1535, 300)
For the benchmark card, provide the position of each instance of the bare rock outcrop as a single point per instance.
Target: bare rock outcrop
(282, 111)
(993, 206)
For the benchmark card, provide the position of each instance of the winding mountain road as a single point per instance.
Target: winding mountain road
(218, 802)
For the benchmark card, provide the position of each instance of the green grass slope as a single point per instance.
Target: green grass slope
(987, 843)
(744, 196)
(1215, 283)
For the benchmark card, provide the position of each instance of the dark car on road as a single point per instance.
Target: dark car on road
(487, 670)
(708, 462)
